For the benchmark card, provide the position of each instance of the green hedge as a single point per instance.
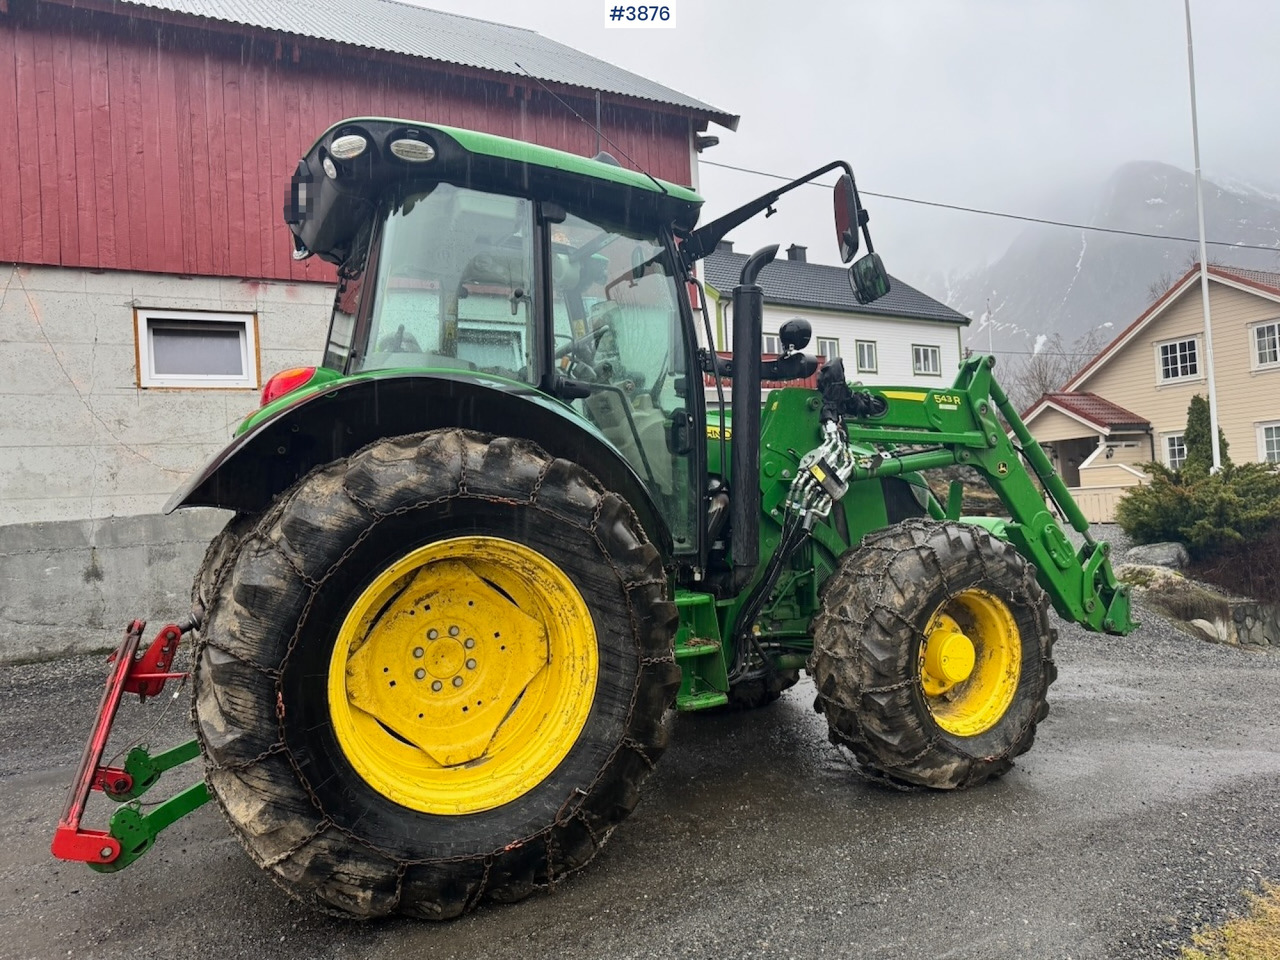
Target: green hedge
(1209, 513)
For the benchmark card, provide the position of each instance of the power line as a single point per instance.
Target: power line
(1006, 216)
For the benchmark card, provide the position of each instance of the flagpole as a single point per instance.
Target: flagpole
(1204, 266)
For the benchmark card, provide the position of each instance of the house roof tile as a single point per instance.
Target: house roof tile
(798, 283)
(1089, 406)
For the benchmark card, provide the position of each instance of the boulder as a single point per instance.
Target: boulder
(1145, 576)
(1207, 630)
(1171, 555)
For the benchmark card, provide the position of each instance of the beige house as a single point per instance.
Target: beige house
(1128, 405)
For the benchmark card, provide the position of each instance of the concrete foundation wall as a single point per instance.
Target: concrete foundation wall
(72, 586)
(88, 457)
(79, 439)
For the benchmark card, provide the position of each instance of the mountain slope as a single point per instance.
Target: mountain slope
(1054, 280)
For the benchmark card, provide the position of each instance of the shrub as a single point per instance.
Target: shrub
(1234, 508)
(1197, 439)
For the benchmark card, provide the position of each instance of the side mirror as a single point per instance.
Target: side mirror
(868, 278)
(848, 217)
(795, 334)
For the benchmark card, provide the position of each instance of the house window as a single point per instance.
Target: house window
(1269, 442)
(1175, 451)
(1266, 344)
(772, 344)
(202, 350)
(828, 347)
(1178, 360)
(867, 356)
(926, 361)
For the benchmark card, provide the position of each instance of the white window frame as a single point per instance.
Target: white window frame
(835, 347)
(917, 354)
(874, 367)
(1165, 456)
(1262, 427)
(771, 344)
(1255, 360)
(144, 321)
(1196, 377)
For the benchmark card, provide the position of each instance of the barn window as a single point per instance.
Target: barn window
(195, 349)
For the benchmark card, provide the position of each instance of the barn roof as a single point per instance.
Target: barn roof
(415, 31)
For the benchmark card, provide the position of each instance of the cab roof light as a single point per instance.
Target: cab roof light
(348, 147)
(412, 151)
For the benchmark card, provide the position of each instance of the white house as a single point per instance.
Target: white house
(905, 337)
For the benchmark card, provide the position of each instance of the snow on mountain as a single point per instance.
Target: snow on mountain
(1054, 280)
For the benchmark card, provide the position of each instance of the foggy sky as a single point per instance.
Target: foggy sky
(1013, 105)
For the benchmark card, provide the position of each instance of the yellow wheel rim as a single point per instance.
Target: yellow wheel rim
(970, 662)
(463, 675)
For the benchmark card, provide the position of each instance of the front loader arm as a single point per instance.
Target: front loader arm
(959, 425)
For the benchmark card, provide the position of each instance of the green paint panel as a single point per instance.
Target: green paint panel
(700, 654)
(491, 145)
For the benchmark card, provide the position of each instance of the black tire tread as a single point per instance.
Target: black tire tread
(282, 563)
(868, 684)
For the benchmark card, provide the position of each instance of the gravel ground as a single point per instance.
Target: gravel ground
(1147, 806)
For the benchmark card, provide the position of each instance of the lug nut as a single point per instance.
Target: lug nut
(471, 664)
(469, 643)
(437, 686)
(457, 681)
(453, 631)
(417, 652)
(419, 673)
(432, 634)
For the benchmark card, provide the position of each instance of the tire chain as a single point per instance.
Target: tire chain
(281, 747)
(879, 579)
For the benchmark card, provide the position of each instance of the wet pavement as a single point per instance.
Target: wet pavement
(1150, 801)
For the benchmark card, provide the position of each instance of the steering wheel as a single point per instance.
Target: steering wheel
(574, 346)
(399, 342)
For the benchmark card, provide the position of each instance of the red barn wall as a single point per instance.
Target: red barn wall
(144, 145)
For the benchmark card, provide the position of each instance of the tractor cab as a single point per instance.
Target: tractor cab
(455, 283)
(468, 256)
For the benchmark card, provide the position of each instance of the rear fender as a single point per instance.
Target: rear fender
(267, 460)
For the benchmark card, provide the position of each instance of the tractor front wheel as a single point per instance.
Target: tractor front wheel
(933, 654)
(435, 672)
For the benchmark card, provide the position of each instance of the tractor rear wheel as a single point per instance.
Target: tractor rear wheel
(933, 654)
(435, 672)
(219, 555)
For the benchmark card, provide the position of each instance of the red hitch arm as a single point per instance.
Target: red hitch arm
(144, 675)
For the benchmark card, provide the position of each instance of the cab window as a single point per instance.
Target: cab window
(618, 333)
(455, 285)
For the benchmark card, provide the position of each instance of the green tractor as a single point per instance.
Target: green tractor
(482, 551)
